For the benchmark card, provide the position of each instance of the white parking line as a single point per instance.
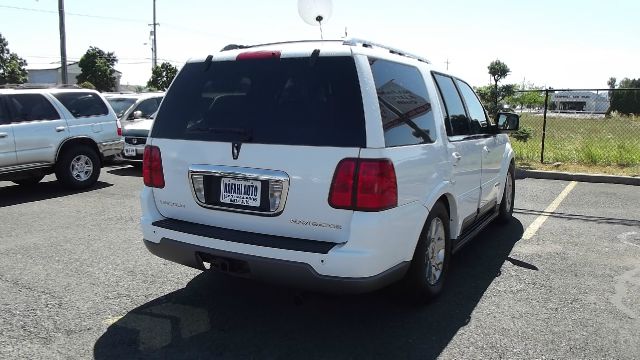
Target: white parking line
(535, 225)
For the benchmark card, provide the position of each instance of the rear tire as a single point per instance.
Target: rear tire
(430, 264)
(30, 181)
(78, 168)
(508, 196)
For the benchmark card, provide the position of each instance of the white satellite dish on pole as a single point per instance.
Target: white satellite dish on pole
(315, 12)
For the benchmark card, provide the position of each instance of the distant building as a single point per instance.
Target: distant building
(583, 101)
(52, 74)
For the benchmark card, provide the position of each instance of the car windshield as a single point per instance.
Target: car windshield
(121, 105)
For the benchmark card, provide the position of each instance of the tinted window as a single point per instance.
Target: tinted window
(121, 105)
(457, 121)
(293, 101)
(476, 111)
(147, 107)
(83, 104)
(4, 114)
(30, 107)
(407, 118)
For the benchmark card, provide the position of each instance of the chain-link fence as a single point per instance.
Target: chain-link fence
(579, 126)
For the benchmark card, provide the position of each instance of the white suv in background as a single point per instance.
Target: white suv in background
(134, 106)
(336, 166)
(69, 132)
(136, 112)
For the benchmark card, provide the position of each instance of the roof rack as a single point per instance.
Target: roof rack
(28, 86)
(237, 46)
(371, 44)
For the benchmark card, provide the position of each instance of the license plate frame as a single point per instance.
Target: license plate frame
(129, 151)
(240, 192)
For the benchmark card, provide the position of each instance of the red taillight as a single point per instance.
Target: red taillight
(341, 194)
(364, 185)
(252, 55)
(119, 126)
(377, 188)
(152, 172)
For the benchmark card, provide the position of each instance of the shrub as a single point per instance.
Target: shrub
(523, 134)
(87, 85)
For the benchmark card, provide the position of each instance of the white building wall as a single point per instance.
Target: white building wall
(54, 76)
(48, 76)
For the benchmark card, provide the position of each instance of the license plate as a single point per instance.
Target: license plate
(240, 192)
(129, 151)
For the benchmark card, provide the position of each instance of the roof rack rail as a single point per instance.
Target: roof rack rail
(236, 46)
(28, 86)
(370, 44)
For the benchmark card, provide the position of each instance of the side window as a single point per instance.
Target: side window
(82, 104)
(407, 117)
(479, 122)
(457, 121)
(148, 107)
(4, 114)
(30, 107)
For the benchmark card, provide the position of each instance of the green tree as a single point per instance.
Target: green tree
(530, 97)
(12, 67)
(488, 96)
(626, 102)
(498, 71)
(97, 67)
(161, 76)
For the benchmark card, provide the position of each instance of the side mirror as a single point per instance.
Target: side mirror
(508, 121)
(137, 114)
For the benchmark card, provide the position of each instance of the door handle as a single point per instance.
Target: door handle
(60, 128)
(486, 149)
(3, 135)
(456, 158)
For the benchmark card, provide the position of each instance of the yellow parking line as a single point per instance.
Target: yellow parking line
(537, 223)
(112, 320)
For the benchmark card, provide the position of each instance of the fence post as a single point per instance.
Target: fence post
(544, 123)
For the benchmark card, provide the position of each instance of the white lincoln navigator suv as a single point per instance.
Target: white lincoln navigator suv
(327, 165)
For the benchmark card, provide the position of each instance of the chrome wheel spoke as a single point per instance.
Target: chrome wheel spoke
(435, 251)
(509, 191)
(81, 167)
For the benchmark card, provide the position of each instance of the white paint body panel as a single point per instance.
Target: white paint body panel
(491, 166)
(376, 241)
(310, 171)
(7, 146)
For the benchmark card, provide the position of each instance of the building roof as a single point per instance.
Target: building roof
(51, 66)
(54, 66)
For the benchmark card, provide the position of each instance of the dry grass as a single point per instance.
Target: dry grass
(605, 145)
(633, 170)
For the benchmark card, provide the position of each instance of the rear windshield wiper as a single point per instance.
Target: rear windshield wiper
(245, 135)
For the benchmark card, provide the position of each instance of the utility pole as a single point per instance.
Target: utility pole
(63, 44)
(154, 46)
(447, 62)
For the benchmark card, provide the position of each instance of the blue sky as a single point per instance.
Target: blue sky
(557, 43)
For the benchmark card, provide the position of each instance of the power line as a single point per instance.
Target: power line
(70, 13)
(169, 25)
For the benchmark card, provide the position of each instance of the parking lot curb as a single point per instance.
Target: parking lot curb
(592, 178)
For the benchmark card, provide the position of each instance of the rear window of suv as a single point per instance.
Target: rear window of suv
(290, 101)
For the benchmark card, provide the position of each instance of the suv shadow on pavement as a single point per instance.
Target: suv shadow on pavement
(129, 171)
(16, 194)
(215, 316)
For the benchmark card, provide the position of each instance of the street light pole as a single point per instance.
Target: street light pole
(155, 45)
(63, 43)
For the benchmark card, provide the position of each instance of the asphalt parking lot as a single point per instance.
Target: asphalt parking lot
(560, 281)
